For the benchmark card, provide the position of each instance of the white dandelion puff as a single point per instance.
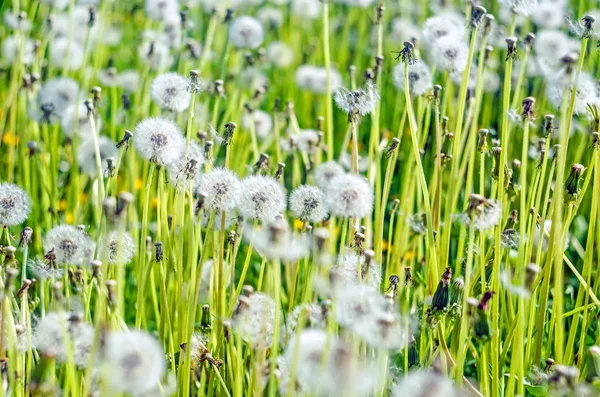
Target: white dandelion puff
(349, 196)
(135, 362)
(13, 52)
(187, 167)
(263, 123)
(358, 102)
(276, 241)
(55, 96)
(68, 245)
(246, 32)
(423, 383)
(53, 334)
(170, 92)
(324, 173)
(314, 79)
(280, 54)
(86, 154)
(449, 25)
(419, 78)
(254, 319)
(261, 197)
(351, 263)
(15, 204)
(159, 140)
(43, 269)
(118, 248)
(450, 54)
(75, 120)
(66, 54)
(306, 9)
(308, 203)
(222, 188)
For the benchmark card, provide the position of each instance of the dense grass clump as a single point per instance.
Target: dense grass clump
(299, 198)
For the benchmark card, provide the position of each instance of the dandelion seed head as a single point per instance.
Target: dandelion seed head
(349, 196)
(587, 91)
(118, 248)
(275, 240)
(86, 154)
(261, 197)
(548, 15)
(307, 203)
(419, 78)
(17, 22)
(254, 319)
(450, 54)
(350, 264)
(65, 54)
(75, 121)
(181, 170)
(551, 45)
(324, 173)
(69, 244)
(222, 189)
(50, 339)
(159, 140)
(448, 25)
(306, 9)
(358, 102)
(42, 270)
(280, 54)
(155, 52)
(15, 205)
(246, 32)
(161, 10)
(520, 7)
(270, 16)
(326, 366)
(263, 123)
(544, 236)
(314, 79)
(11, 50)
(423, 383)
(315, 317)
(170, 92)
(57, 93)
(134, 360)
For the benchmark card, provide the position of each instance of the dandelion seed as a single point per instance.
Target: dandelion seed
(280, 54)
(261, 197)
(314, 79)
(69, 245)
(50, 339)
(159, 140)
(15, 205)
(118, 247)
(86, 155)
(423, 383)
(43, 270)
(187, 167)
(326, 366)
(348, 196)
(254, 319)
(450, 54)
(66, 54)
(263, 123)
(170, 92)
(484, 213)
(17, 49)
(349, 266)
(324, 173)
(246, 32)
(307, 203)
(222, 189)
(419, 78)
(449, 25)
(306, 9)
(276, 241)
(134, 361)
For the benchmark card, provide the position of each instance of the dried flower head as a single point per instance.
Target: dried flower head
(254, 319)
(86, 155)
(358, 102)
(314, 79)
(324, 173)
(419, 78)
